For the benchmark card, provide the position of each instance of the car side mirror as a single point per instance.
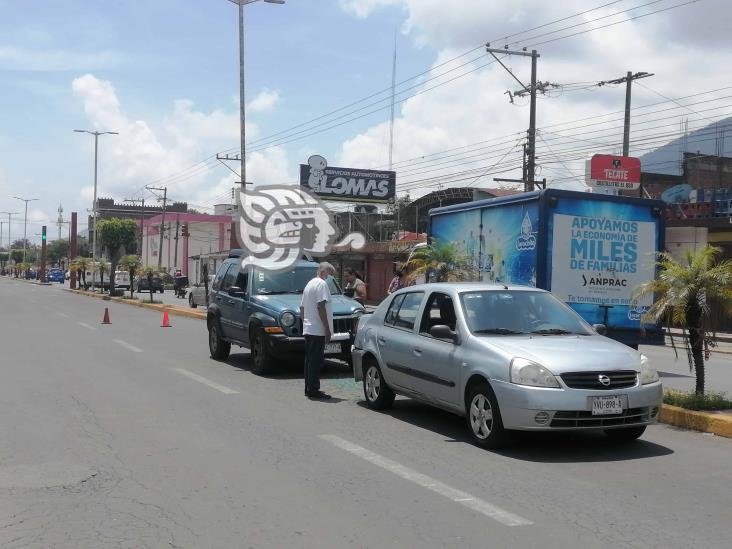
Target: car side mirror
(441, 331)
(600, 329)
(236, 291)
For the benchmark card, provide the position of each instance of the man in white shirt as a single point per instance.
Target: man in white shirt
(317, 322)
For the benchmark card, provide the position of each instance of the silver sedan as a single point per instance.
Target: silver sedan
(506, 358)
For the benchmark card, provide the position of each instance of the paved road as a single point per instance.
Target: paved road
(128, 435)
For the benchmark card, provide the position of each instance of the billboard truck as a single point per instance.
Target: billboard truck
(590, 250)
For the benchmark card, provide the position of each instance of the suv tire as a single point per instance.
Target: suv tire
(218, 348)
(484, 418)
(262, 360)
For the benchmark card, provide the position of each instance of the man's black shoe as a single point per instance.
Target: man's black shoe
(317, 395)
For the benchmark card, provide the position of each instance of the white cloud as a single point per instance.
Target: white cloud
(474, 108)
(264, 101)
(22, 59)
(144, 152)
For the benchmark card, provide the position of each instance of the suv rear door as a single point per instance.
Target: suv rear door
(225, 279)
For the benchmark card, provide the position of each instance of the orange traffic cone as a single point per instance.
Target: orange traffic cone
(166, 320)
(106, 320)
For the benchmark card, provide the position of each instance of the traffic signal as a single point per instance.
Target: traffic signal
(43, 234)
(184, 230)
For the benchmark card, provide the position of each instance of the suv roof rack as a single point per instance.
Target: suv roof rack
(237, 252)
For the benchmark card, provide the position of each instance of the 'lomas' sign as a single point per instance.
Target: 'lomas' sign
(353, 185)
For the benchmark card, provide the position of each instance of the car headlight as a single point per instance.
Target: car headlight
(648, 373)
(526, 372)
(287, 319)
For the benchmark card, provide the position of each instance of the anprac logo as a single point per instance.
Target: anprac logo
(280, 223)
(527, 240)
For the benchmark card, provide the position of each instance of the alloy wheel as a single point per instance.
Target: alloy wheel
(373, 383)
(481, 416)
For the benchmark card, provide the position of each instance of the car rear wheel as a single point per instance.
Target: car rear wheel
(378, 394)
(625, 435)
(484, 418)
(191, 302)
(262, 359)
(219, 348)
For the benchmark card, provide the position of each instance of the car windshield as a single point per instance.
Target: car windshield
(493, 312)
(291, 281)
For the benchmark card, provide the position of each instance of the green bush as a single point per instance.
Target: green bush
(695, 401)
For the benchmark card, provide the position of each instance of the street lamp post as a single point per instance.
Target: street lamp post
(242, 91)
(25, 222)
(94, 214)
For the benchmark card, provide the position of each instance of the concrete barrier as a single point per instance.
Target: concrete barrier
(719, 423)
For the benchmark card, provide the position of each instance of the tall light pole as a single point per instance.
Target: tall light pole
(25, 222)
(94, 214)
(242, 90)
(10, 242)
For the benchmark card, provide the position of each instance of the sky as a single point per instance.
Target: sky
(164, 75)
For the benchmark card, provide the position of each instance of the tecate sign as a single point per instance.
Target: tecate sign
(617, 172)
(353, 185)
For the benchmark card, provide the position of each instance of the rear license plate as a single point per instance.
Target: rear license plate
(603, 405)
(332, 348)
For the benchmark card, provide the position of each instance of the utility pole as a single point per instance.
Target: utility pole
(25, 223)
(177, 229)
(628, 80)
(10, 215)
(162, 221)
(531, 90)
(72, 250)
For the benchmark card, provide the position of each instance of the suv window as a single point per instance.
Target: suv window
(408, 311)
(439, 310)
(393, 309)
(220, 275)
(229, 277)
(242, 280)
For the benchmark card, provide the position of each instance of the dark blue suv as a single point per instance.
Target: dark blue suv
(260, 310)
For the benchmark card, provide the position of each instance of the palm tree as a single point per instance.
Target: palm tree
(130, 263)
(683, 290)
(446, 260)
(148, 271)
(80, 264)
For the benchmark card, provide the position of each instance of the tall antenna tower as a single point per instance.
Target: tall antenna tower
(60, 220)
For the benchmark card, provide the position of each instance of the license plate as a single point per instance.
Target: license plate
(332, 348)
(603, 405)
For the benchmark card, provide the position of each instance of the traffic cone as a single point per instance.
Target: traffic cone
(106, 320)
(166, 320)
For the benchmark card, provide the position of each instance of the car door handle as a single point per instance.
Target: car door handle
(230, 301)
(417, 351)
(381, 341)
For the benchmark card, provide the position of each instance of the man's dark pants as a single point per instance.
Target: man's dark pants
(314, 360)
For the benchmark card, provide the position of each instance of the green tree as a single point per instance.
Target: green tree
(116, 236)
(683, 290)
(130, 263)
(148, 271)
(446, 260)
(57, 250)
(16, 255)
(80, 265)
(402, 216)
(4, 257)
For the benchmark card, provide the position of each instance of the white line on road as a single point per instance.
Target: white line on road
(458, 496)
(224, 389)
(85, 325)
(128, 346)
(62, 314)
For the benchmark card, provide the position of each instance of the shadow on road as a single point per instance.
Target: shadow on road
(293, 369)
(542, 447)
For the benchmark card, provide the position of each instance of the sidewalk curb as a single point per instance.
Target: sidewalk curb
(708, 422)
(172, 309)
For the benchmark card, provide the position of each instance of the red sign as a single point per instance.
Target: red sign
(618, 172)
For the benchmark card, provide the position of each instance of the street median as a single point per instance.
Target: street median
(172, 309)
(718, 423)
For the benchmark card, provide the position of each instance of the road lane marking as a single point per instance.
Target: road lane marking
(62, 314)
(458, 496)
(128, 346)
(223, 388)
(85, 325)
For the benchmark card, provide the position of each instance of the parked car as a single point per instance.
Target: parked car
(142, 284)
(505, 357)
(197, 294)
(122, 279)
(260, 310)
(55, 275)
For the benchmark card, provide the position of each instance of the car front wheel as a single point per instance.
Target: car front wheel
(218, 348)
(484, 418)
(625, 435)
(378, 394)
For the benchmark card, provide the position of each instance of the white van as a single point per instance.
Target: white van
(122, 279)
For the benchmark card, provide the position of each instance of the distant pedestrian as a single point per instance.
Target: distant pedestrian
(398, 282)
(317, 321)
(355, 287)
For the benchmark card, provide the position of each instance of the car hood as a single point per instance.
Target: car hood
(341, 305)
(567, 353)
